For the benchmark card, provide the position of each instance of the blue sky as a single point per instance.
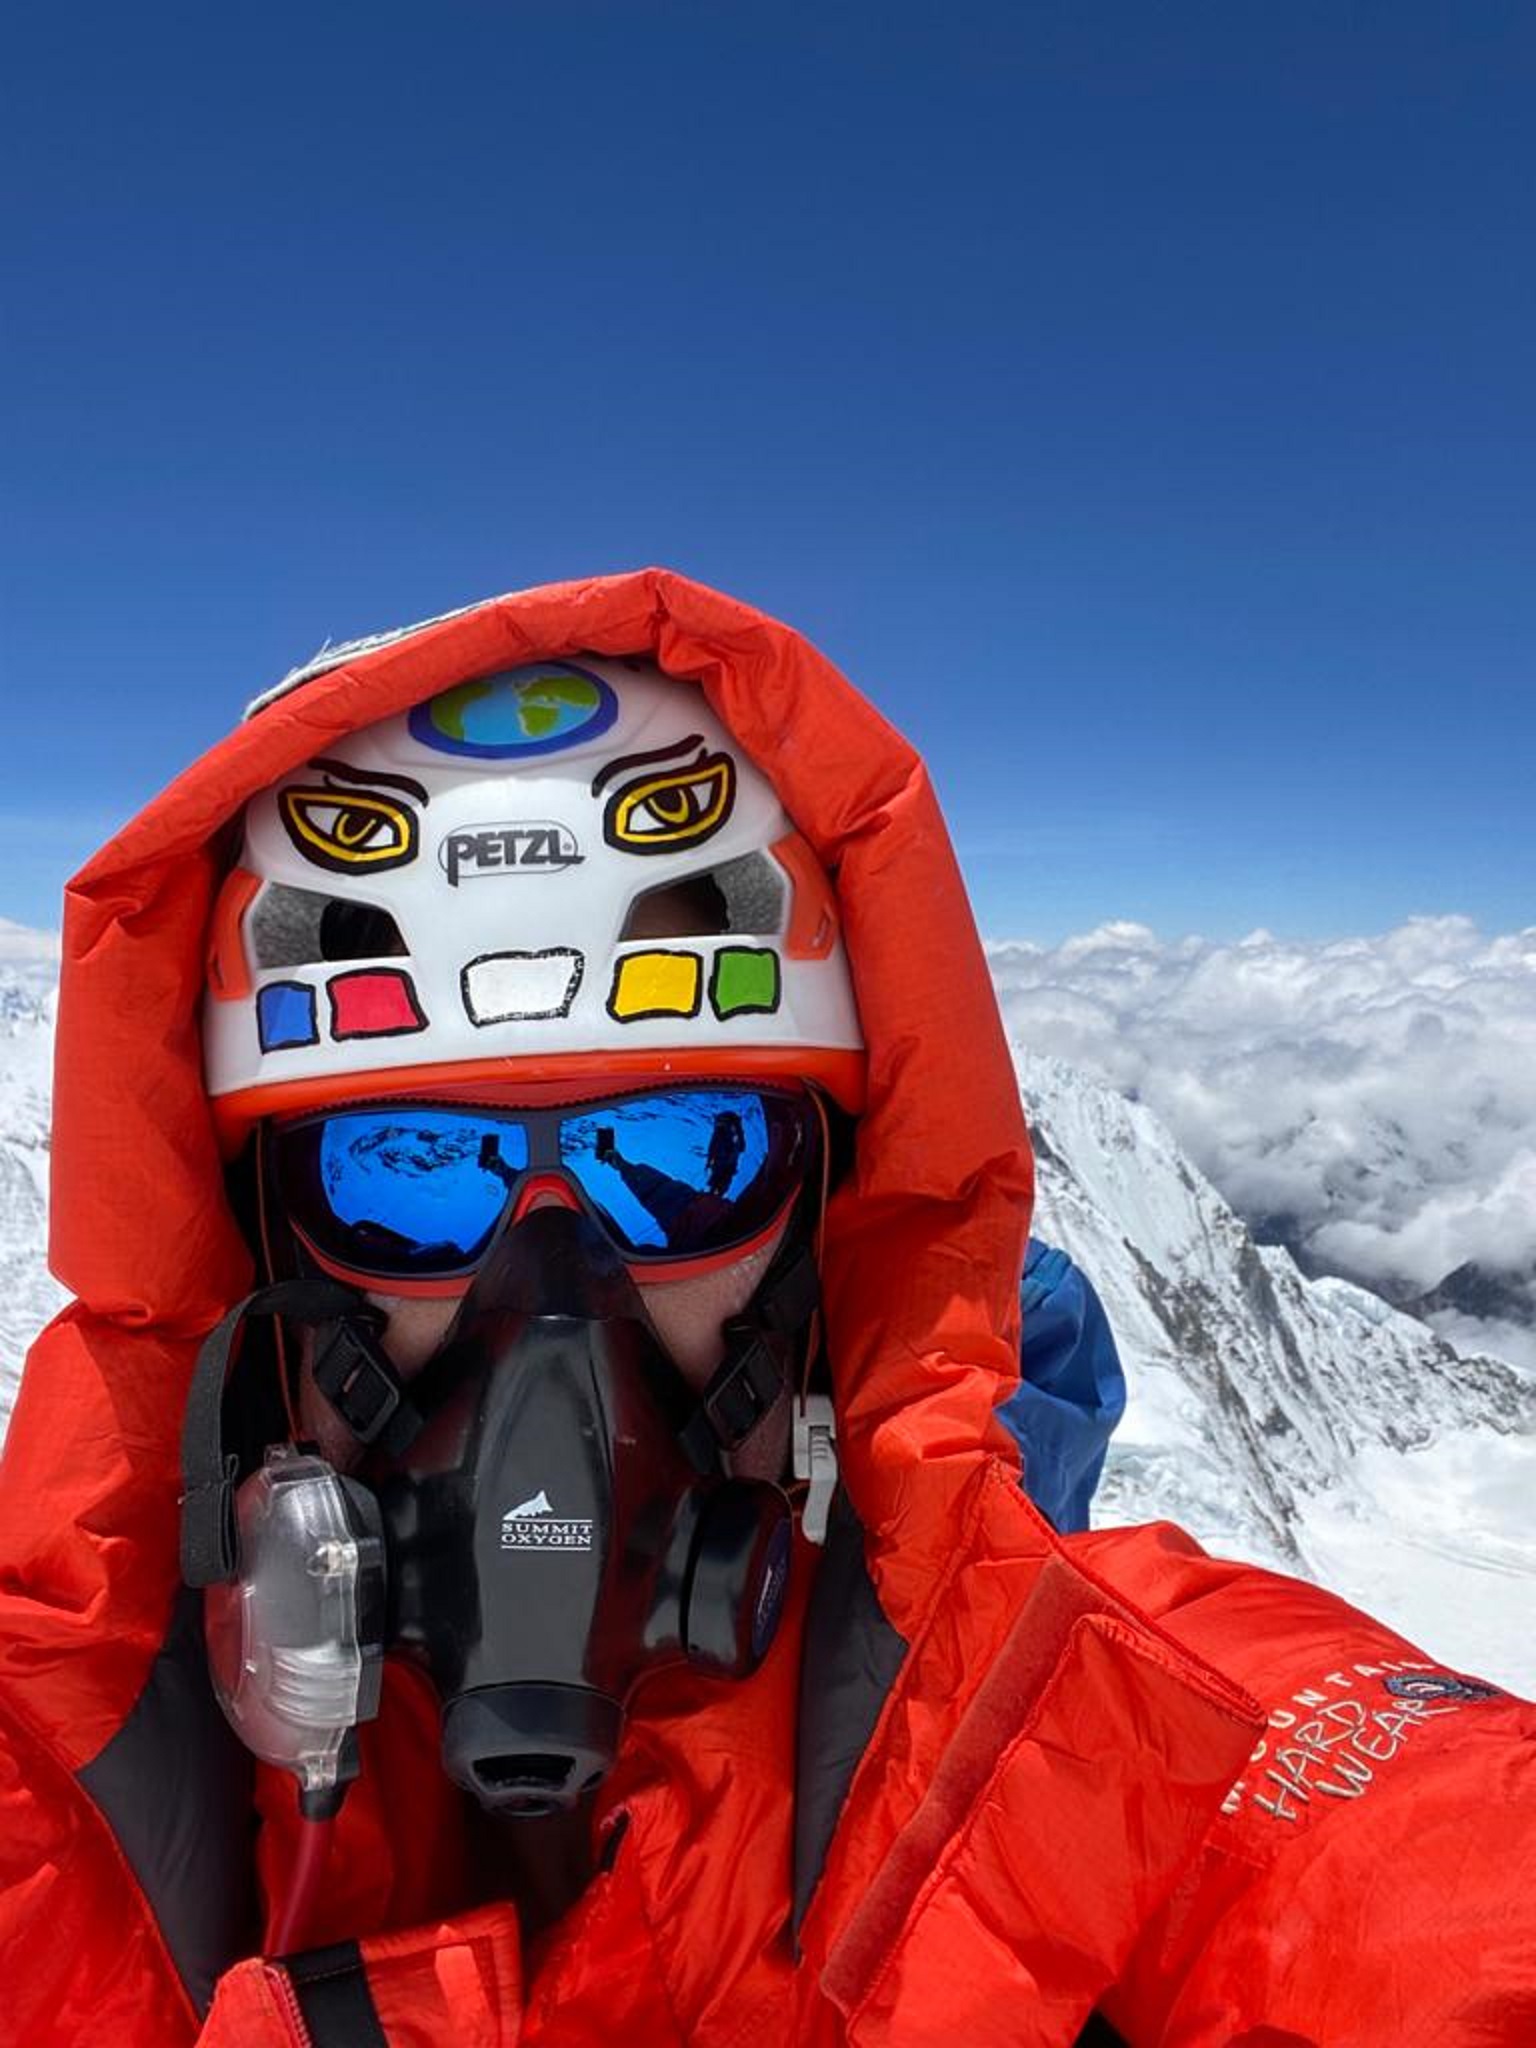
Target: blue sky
(1137, 402)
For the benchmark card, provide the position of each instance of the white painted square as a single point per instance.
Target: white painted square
(506, 988)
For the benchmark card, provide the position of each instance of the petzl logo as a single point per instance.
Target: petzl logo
(534, 848)
(534, 1525)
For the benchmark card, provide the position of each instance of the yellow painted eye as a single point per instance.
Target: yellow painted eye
(347, 830)
(683, 807)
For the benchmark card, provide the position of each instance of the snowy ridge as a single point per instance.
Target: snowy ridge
(1370, 1102)
(28, 1293)
(29, 970)
(1301, 1423)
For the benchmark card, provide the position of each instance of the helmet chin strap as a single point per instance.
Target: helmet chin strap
(772, 1346)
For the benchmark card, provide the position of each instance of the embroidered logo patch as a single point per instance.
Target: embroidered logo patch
(1338, 1737)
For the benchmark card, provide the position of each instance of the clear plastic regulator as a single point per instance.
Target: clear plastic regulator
(295, 1643)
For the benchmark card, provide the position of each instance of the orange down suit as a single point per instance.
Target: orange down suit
(1108, 1784)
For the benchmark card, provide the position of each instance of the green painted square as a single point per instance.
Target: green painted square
(745, 979)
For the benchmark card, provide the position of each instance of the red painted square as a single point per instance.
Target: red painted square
(373, 1002)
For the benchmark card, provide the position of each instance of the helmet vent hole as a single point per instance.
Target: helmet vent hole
(302, 927)
(357, 931)
(692, 909)
(743, 895)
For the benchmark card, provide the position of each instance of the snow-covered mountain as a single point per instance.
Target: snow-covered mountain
(1302, 1423)
(29, 966)
(1369, 1102)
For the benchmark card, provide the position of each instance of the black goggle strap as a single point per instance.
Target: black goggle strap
(762, 1357)
(350, 1369)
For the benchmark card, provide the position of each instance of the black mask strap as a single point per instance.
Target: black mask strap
(352, 1372)
(762, 1358)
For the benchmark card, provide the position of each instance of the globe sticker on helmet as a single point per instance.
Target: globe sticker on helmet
(539, 709)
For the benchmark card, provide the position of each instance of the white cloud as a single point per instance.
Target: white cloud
(1380, 1092)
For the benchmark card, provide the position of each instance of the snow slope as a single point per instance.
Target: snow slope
(1301, 1423)
(28, 1295)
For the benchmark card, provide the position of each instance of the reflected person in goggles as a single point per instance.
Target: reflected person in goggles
(550, 1196)
(694, 1188)
(540, 1207)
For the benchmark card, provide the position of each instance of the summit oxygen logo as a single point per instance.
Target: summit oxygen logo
(534, 1525)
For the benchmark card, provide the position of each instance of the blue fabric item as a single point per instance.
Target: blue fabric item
(1072, 1393)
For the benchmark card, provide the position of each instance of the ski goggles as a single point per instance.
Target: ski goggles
(413, 1193)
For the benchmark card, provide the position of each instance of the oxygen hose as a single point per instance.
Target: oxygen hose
(295, 1907)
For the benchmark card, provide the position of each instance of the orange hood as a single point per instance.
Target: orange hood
(925, 1239)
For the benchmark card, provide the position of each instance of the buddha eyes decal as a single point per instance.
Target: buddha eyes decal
(661, 810)
(352, 831)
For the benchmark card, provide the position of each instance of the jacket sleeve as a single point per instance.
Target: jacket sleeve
(1372, 1877)
(1071, 1391)
(80, 1956)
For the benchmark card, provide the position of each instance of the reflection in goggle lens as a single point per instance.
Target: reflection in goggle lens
(416, 1190)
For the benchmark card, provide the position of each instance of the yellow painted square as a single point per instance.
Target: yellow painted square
(656, 985)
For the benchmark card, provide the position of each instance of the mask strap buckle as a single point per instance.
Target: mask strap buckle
(815, 1453)
(210, 1473)
(741, 1393)
(759, 1361)
(353, 1373)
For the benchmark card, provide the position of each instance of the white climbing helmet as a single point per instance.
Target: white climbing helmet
(561, 871)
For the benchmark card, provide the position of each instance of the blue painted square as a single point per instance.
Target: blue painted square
(285, 1015)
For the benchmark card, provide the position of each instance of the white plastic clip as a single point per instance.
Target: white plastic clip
(816, 1462)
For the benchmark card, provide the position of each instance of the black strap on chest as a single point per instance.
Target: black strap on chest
(351, 1370)
(331, 1987)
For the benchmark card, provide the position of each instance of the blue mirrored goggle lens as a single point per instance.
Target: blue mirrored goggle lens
(417, 1181)
(418, 1191)
(676, 1173)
